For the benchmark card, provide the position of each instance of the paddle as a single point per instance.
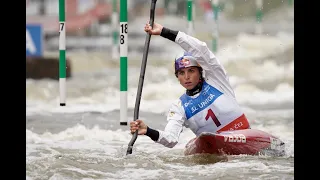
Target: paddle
(142, 72)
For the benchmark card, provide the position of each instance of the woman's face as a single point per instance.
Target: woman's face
(189, 77)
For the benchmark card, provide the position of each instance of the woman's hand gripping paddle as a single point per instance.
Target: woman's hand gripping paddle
(142, 72)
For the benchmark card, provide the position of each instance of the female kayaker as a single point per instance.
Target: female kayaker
(209, 103)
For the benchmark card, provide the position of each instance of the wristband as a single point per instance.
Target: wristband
(169, 34)
(153, 134)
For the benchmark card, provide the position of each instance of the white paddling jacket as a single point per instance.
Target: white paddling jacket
(214, 109)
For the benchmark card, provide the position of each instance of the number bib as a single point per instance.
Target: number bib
(210, 111)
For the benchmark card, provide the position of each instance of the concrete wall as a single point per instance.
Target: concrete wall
(42, 67)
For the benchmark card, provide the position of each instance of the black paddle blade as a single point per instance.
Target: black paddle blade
(129, 150)
(142, 72)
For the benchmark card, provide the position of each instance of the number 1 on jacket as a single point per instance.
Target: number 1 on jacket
(213, 117)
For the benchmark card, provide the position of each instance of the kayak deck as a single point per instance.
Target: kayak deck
(246, 141)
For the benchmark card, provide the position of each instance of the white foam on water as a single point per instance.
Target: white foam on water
(78, 132)
(58, 176)
(248, 46)
(266, 71)
(79, 137)
(139, 173)
(247, 93)
(108, 144)
(157, 99)
(28, 178)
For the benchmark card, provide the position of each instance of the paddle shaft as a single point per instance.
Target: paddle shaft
(141, 78)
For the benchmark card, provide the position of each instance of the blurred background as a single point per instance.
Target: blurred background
(242, 30)
(253, 39)
(90, 21)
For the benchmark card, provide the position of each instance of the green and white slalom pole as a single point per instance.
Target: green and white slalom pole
(215, 34)
(189, 15)
(115, 30)
(259, 15)
(123, 62)
(290, 3)
(62, 53)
